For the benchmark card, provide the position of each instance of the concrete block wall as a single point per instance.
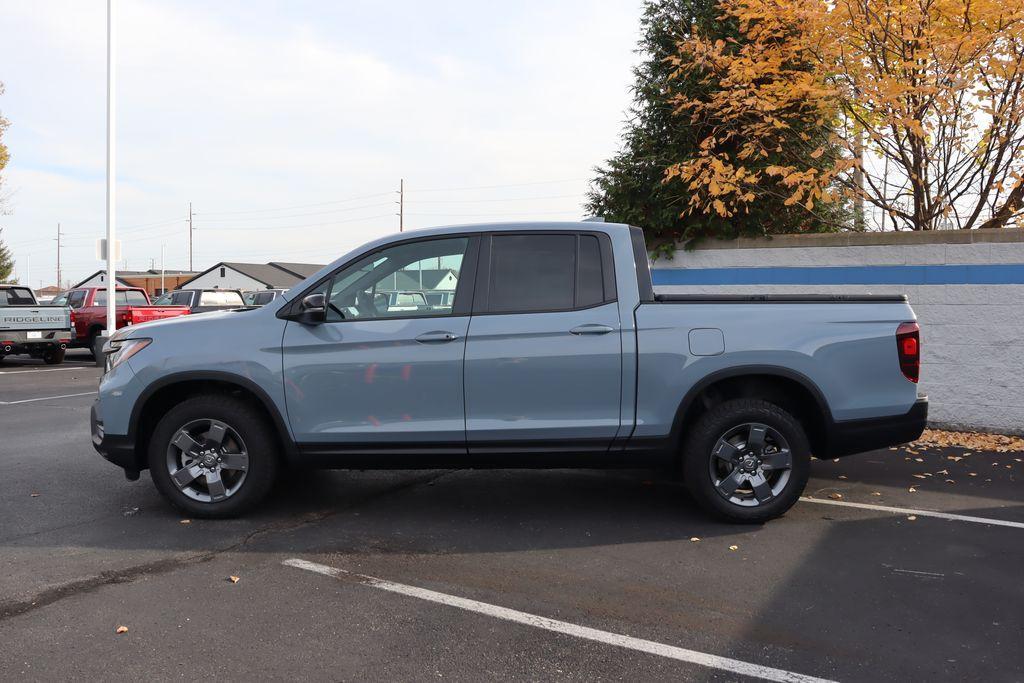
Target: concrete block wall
(967, 289)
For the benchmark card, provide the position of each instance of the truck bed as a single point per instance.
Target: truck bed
(779, 298)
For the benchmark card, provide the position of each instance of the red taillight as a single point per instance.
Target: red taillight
(908, 346)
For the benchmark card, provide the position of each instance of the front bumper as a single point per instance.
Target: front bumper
(118, 449)
(857, 436)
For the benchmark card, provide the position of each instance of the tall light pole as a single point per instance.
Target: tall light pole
(111, 218)
(163, 288)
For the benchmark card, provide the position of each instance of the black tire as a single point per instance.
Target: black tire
(255, 437)
(54, 357)
(708, 476)
(91, 343)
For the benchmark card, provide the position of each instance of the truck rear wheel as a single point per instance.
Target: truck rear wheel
(213, 456)
(746, 460)
(54, 357)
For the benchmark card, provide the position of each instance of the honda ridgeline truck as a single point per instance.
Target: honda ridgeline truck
(27, 327)
(554, 352)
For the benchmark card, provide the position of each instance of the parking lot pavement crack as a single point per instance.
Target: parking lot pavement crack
(14, 608)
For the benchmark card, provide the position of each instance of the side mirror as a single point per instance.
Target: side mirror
(312, 309)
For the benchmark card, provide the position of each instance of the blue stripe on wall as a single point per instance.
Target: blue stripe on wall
(947, 274)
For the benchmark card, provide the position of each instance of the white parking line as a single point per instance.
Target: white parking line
(25, 372)
(919, 513)
(45, 398)
(564, 627)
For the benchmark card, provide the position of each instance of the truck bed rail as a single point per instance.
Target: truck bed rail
(778, 298)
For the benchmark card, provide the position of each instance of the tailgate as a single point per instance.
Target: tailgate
(26, 318)
(142, 314)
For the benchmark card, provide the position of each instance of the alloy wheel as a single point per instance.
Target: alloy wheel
(207, 460)
(750, 464)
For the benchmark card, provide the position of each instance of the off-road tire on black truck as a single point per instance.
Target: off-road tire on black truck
(735, 461)
(242, 430)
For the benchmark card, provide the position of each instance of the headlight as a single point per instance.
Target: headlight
(118, 351)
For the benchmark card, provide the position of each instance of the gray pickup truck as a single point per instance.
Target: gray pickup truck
(26, 327)
(555, 351)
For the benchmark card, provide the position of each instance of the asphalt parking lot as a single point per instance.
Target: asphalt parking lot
(470, 575)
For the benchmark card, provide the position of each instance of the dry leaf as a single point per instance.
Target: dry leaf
(234, 579)
(950, 481)
(911, 518)
(34, 495)
(121, 629)
(918, 459)
(694, 539)
(185, 521)
(942, 472)
(972, 474)
(734, 547)
(954, 458)
(875, 493)
(835, 496)
(842, 476)
(912, 489)
(919, 476)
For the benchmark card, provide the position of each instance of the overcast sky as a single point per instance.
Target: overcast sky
(288, 124)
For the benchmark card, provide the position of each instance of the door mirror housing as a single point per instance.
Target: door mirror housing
(312, 309)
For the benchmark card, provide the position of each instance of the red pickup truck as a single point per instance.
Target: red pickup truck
(89, 310)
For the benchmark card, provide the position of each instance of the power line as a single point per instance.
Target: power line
(304, 225)
(492, 187)
(296, 206)
(294, 215)
(501, 213)
(503, 199)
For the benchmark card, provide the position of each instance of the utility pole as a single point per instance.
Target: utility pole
(163, 288)
(58, 254)
(190, 229)
(401, 205)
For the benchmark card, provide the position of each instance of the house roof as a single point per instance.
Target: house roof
(303, 270)
(273, 275)
(155, 272)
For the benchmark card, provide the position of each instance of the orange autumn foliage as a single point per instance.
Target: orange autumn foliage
(929, 93)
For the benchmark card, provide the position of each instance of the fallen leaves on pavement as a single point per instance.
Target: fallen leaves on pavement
(977, 441)
(121, 629)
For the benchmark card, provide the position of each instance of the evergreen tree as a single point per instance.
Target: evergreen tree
(630, 187)
(6, 261)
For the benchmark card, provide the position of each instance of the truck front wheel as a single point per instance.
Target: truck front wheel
(746, 460)
(213, 456)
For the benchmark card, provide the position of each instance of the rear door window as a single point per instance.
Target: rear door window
(124, 298)
(532, 273)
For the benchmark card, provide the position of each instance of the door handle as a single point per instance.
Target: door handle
(436, 337)
(591, 329)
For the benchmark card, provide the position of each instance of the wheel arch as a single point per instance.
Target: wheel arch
(791, 390)
(171, 390)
